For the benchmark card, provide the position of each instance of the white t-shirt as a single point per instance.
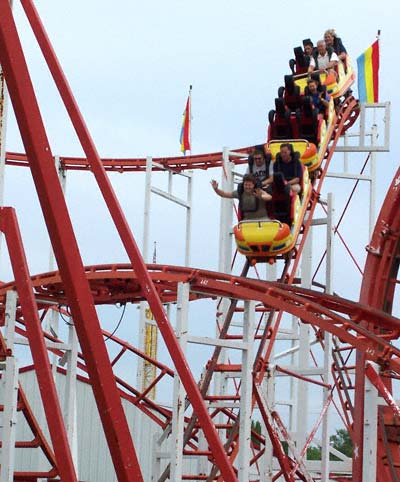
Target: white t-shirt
(259, 172)
(323, 61)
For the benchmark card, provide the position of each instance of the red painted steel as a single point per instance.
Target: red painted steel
(9, 226)
(377, 290)
(129, 243)
(65, 249)
(316, 308)
(175, 164)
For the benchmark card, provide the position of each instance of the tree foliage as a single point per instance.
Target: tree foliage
(341, 441)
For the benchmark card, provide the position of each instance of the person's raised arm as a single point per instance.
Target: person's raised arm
(219, 191)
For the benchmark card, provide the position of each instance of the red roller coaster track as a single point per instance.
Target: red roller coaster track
(366, 327)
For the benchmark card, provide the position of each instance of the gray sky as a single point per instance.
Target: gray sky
(130, 65)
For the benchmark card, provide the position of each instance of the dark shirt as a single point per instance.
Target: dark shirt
(338, 46)
(290, 170)
(316, 100)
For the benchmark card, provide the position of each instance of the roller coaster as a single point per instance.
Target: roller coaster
(207, 428)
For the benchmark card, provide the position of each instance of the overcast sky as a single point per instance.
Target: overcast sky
(130, 65)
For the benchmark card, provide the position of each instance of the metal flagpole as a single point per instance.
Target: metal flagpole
(190, 119)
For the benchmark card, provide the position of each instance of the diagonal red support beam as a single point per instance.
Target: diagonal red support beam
(130, 245)
(66, 251)
(9, 226)
(377, 290)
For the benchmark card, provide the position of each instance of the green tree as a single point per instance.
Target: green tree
(342, 442)
(256, 429)
(314, 453)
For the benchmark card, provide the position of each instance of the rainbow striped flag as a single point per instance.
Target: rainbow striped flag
(368, 74)
(185, 131)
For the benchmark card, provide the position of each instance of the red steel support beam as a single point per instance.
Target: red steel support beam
(66, 251)
(376, 380)
(9, 226)
(130, 245)
(377, 291)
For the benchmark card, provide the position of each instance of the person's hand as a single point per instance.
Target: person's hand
(214, 184)
(258, 193)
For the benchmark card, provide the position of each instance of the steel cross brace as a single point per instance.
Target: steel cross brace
(9, 226)
(67, 252)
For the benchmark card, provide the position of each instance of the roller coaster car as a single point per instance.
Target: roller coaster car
(307, 150)
(290, 93)
(336, 86)
(306, 129)
(280, 123)
(299, 65)
(263, 240)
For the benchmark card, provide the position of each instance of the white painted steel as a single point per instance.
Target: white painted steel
(372, 186)
(178, 407)
(327, 378)
(9, 382)
(70, 398)
(188, 237)
(226, 221)
(364, 146)
(145, 253)
(203, 340)
(301, 400)
(224, 264)
(370, 429)
(246, 393)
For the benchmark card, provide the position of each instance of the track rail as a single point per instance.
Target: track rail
(175, 164)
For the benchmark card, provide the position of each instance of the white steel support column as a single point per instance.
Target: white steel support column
(301, 409)
(246, 392)
(268, 385)
(225, 237)
(10, 395)
(225, 258)
(267, 470)
(145, 251)
(372, 188)
(178, 406)
(220, 379)
(370, 429)
(203, 465)
(188, 220)
(327, 377)
(70, 407)
(156, 459)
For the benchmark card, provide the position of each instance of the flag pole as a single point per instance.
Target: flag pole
(378, 38)
(190, 119)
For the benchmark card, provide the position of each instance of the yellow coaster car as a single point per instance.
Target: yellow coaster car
(336, 86)
(307, 150)
(263, 240)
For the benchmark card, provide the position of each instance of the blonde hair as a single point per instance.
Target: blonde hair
(330, 31)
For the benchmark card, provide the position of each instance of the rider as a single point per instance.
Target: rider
(252, 200)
